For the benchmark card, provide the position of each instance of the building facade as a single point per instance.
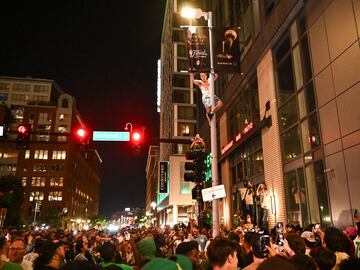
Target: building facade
(298, 66)
(57, 172)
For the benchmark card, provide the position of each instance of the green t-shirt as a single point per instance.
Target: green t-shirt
(123, 266)
(11, 266)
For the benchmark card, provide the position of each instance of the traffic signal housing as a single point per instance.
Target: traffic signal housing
(195, 170)
(81, 135)
(137, 139)
(23, 136)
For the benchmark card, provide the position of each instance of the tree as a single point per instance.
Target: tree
(12, 198)
(53, 217)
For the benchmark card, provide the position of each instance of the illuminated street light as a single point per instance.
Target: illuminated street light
(153, 205)
(197, 13)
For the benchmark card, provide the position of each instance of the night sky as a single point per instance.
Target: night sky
(105, 54)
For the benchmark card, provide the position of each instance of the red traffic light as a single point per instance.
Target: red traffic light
(23, 129)
(136, 136)
(81, 133)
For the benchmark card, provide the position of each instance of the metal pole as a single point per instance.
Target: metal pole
(213, 136)
(36, 206)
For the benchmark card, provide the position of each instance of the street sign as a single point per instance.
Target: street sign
(111, 136)
(213, 193)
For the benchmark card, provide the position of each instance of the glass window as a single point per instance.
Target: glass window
(38, 181)
(180, 80)
(4, 86)
(305, 136)
(36, 196)
(61, 154)
(24, 181)
(314, 131)
(321, 192)
(57, 167)
(41, 88)
(181, 96)
(181, 50)
(291, 143)
(282, 49)
(285, 80)
(288, 114)
(27, 154)
(306, 59)
(55, 196)
(20, 87)
(39, 168)
(186, 129)
(41, 154)
(187, 113)
(297, 67)
(258, 160)
(178, 35)
(182, 65)
(57, 181)
(310, 97)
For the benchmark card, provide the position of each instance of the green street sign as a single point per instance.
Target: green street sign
(111, 136)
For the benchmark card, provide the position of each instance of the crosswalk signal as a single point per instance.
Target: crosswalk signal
(23, 136)
(195, 170)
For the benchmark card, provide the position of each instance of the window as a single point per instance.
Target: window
(186, 129)
(20, 87)
(44, 117)
(39, 168)
(4, 86)
(181, 96)
(63, 128)
(61, 154)
(178, 35)
(24, 181)
(57, 167)
(182, 64)
(186, 113)
(36, 196)
(56, 181)
(38, 181)
(41, 154)
(65, 103)
(181, 50)
(55, 196)
(41, 88)
(295, 91)
(181, 80)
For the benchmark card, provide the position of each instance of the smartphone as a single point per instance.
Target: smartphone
(264, 241)
(127, 236)
(355, 213)
(280, 227)
(279, 238)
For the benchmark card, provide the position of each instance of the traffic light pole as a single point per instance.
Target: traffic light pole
(213, 135)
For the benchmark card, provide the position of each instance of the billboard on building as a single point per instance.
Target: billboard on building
(163, 176)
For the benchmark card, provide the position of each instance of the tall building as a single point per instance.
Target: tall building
(55, 169)
(299, 67)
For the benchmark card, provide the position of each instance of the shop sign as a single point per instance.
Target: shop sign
(163, 176)
(238, 137)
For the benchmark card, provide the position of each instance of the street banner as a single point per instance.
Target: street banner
(226, 50)
(163, 176)
(198, 48)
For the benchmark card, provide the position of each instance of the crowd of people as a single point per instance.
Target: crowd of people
(181, 247)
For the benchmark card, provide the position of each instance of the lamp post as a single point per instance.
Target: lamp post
(131, 127)
(197, 13)
(153, 206)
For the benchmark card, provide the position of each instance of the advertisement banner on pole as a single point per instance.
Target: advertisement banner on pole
(163, 176)
(226, 50)
(197, 48)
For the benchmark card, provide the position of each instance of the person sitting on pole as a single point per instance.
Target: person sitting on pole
(204, 86)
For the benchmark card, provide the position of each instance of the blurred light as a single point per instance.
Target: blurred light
(192, 13)
(113, 227)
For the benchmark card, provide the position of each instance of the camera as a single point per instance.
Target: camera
(264, 241)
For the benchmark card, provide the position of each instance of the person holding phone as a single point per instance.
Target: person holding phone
(259, 251)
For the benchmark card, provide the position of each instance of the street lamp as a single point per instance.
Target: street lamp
(131, 127)
(153, 206)
(197, 13)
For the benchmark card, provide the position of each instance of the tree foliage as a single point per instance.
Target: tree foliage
(12, 198)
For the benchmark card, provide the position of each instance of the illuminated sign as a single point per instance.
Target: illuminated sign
(113, 136)
(163, 176)
(238, 137)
